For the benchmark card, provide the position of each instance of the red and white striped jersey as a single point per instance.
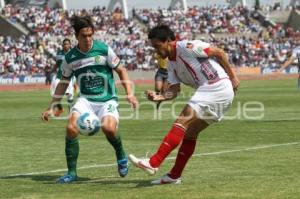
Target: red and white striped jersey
(192, 66)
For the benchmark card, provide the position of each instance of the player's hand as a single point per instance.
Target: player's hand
(152, 96)
(133, 101)
(46, 114)
(235, 83)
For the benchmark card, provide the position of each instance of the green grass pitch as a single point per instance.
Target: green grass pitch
(253, 153)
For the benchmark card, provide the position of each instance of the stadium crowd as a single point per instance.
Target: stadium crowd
(197, 20)
(269, 48)
(31, 54)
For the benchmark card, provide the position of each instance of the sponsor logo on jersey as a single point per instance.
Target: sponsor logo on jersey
(98, 60)
(76, 65)
(90, 75)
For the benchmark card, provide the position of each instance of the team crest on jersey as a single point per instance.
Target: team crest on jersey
(100, 59)
(189, 46)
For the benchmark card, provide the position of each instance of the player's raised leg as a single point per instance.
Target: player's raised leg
(185, 152)
(169, 143)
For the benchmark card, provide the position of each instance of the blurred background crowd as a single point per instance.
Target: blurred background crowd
(235, 29)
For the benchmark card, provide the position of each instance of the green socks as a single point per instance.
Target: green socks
(72, 151)
(116, 142)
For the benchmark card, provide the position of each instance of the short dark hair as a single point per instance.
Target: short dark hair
(66, 40)
(79, 22)
(162, 33)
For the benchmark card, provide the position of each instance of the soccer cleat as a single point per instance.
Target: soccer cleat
(66, 179)
(143, 164)
(123, 167)
(166, 179)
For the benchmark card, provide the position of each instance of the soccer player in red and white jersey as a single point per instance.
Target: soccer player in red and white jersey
(203, 67)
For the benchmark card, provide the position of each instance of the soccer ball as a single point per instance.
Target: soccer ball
(88, 124)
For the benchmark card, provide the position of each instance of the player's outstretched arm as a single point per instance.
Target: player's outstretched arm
(223, 60)
(171, 93)
(58, 95)
(127, 84)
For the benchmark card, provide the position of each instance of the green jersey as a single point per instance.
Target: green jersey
(93, 71)
(60, 57)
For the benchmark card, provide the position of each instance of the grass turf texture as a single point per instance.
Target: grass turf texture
(237, 158)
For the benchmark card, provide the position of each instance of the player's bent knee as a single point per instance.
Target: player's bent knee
(109, 129)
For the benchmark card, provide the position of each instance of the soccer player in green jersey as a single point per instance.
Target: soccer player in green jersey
(58, 75)
(92, 63)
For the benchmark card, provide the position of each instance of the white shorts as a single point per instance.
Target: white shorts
(100, 109)
(212, 101)
(69, 91)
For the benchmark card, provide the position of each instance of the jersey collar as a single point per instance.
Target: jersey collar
(67, 51)
(87, 51)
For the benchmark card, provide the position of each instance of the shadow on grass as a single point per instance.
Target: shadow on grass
(115, 181)
(107, 180)
(41, 178)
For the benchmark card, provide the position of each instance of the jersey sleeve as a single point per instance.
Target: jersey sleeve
(197, 48)
(172, 76)
(112, 59)
(66, 69)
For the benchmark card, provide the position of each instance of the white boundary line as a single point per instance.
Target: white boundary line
(170, 158)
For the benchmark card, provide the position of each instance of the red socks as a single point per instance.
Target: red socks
(170, 142)
(185, 152)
